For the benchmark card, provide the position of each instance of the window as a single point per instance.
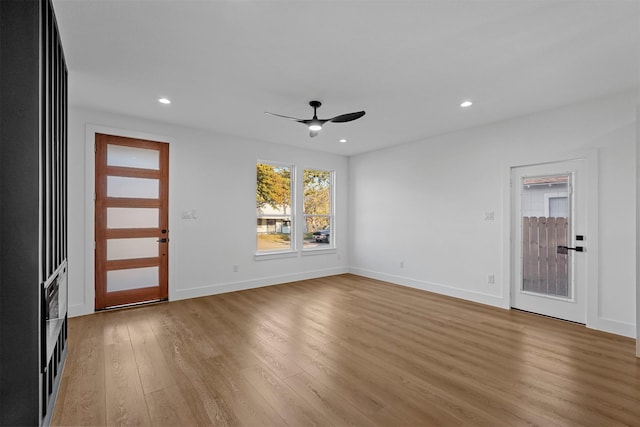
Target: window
(274, 207)
(318, 210)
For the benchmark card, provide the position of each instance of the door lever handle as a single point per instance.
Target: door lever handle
(566, 249)
(163, 240)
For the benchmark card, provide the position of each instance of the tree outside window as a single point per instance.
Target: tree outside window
(273, 207)
(317, 208)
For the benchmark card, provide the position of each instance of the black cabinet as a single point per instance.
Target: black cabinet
(33, 210)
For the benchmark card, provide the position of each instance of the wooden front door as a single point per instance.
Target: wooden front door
(131, 223)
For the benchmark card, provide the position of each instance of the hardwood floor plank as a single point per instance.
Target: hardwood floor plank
(185, 363)
(256, 340)
(343, 350)
(125, 401)
(167, 407)
(287, 403)
(152, 365)
(333, 406)
(247, 403)
(81, 398)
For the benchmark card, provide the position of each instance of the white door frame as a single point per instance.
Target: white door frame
(591, 234)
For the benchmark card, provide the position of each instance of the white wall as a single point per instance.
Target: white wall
(423, 204)
(214, 175)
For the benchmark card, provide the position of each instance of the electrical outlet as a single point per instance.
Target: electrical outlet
(235, 268)
(491, 279)
(401, 264)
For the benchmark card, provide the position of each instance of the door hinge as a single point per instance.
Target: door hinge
(94, 245)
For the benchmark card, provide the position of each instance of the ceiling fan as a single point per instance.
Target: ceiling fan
(315, 124)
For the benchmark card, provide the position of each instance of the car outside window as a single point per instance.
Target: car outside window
(318, 209)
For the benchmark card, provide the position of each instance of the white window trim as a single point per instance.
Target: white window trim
(261, 256)
(297, 211)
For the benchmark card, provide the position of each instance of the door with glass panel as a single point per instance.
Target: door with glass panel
(550, 262)
(131, 223)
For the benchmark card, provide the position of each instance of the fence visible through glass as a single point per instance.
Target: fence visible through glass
(545, 226)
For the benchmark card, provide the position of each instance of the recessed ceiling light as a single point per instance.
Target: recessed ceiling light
(164, 101)
(343, 141)
(466, 104)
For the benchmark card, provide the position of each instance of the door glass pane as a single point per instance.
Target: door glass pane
(134, 278)
(144, 188)
(145, 247)
(131, 157)
(133, 217)
(545, 228)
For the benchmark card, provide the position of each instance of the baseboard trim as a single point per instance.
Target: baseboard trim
(492, 300)
(220, 288)
(615, 327)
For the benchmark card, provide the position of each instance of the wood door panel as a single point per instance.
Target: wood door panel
(125, 264)
(133, 172)
(131, 202)
(123, 233)
(104, 298)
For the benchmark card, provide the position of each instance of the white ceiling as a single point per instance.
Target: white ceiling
(409, 64)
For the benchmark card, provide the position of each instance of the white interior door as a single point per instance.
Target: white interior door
(549, 216)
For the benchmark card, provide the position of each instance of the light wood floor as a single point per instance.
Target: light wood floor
(342, 350)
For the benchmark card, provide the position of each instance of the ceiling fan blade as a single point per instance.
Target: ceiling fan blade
(347, 117)
(284, 117)
(313, 133)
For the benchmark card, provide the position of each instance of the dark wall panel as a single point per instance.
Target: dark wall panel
(19, 213)
(22, 141)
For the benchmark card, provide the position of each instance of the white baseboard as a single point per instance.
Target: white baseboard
(79, 310)
(493, 300)
(615, 327)
(604, 324)
(220, 288)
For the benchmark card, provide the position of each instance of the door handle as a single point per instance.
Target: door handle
(566, 249)
(163, 240)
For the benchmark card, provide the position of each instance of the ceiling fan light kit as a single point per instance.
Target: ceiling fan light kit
(315, 124)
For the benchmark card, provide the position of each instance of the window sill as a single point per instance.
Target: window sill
(294, 254)
(275, 255)
(322, 251)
